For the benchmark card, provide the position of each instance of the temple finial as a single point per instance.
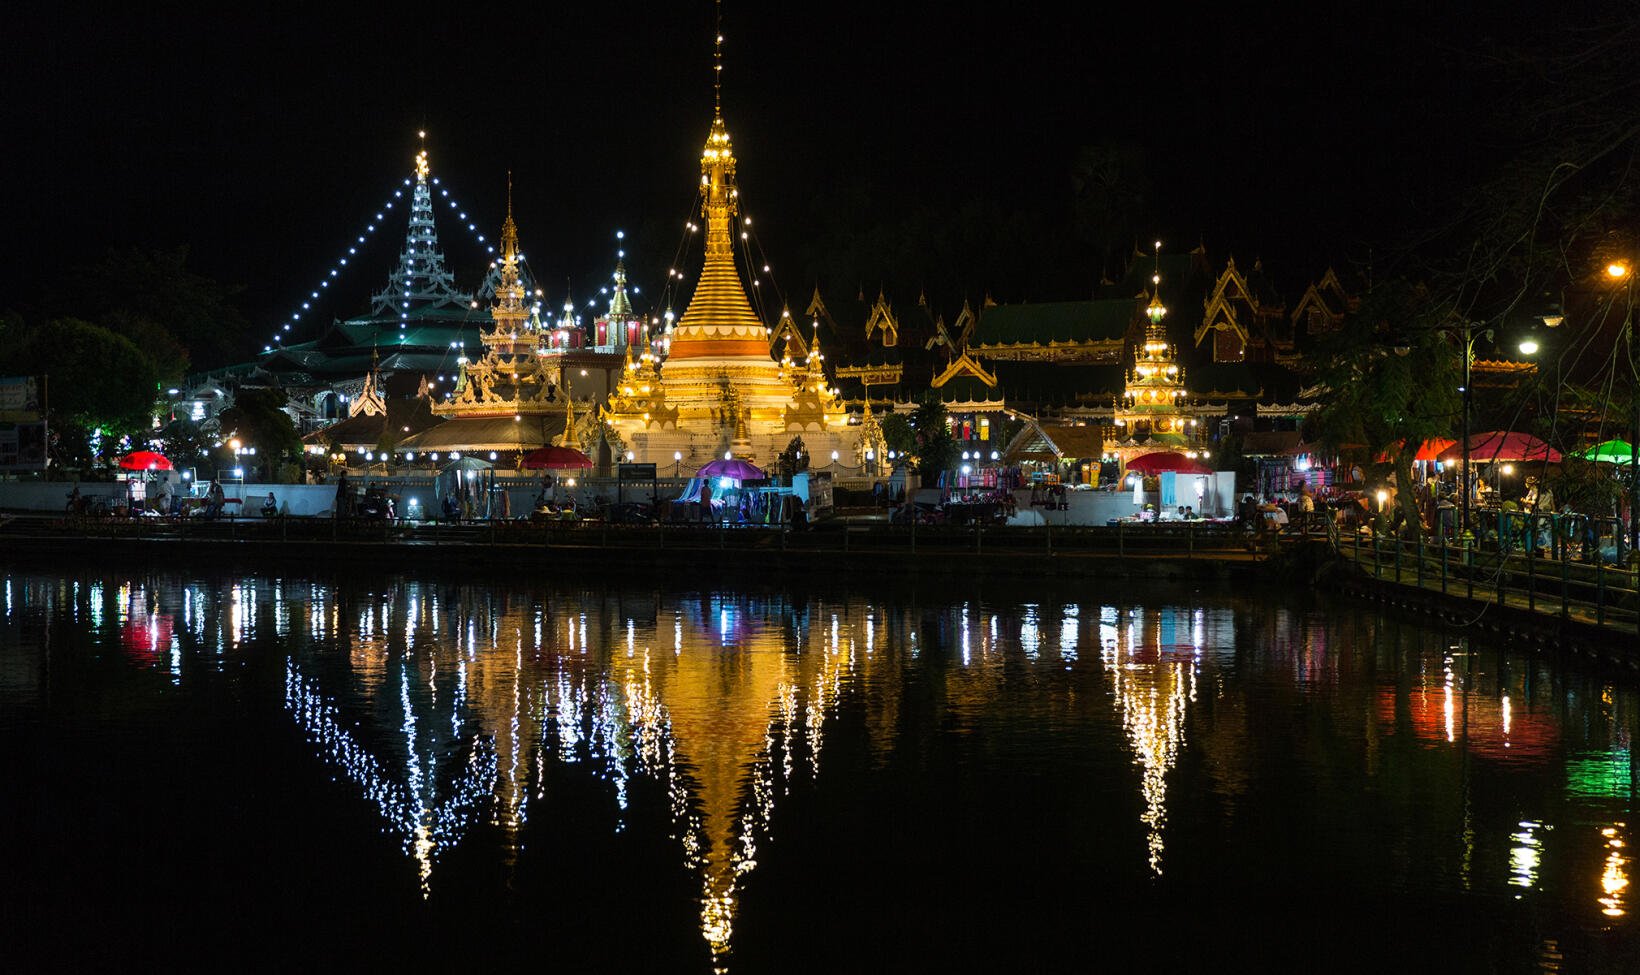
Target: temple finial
(717, 65)
(1156, 309)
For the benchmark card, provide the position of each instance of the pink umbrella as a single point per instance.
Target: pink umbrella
(1503, 445)
(1167, 460)
(735, 470)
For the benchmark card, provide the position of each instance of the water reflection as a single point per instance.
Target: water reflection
(451, 710)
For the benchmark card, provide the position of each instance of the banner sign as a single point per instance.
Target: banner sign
(22, 424)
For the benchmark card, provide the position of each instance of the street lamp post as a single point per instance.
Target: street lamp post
(1622, 271)
(1463, 434)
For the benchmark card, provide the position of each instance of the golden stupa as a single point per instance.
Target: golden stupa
(718, 388)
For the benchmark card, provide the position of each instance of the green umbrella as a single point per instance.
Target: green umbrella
(1610, 452)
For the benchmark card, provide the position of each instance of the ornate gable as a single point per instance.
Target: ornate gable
(964, 365)
(1324, 304)
(882, 320)
(786, 341)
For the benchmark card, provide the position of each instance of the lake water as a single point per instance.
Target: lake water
(288, 771)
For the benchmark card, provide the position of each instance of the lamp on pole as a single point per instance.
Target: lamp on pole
(1620, 271)
(1468, 401)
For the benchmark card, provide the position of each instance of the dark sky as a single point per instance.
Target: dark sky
(265, 139)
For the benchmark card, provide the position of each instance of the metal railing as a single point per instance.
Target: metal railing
(1564, 565)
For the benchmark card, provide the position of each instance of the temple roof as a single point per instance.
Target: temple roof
(1102, 320)
(1050, 441)
(488, 433)
(380, 431)
(1267, 381)
(1054, 384)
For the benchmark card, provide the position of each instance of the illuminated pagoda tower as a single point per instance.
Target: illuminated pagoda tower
(421, 280)
(419, 323)
(720, 389)
(504, 401)
(1154, 409)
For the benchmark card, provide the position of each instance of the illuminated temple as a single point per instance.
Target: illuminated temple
(719, 390)
(507, 399)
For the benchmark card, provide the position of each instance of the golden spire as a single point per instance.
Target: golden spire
(509, 230)
(422, 167)
(719, 319)
(1156, 310)
(717, 66)
(567, 439)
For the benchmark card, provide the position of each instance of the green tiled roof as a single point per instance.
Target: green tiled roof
(1057, 321)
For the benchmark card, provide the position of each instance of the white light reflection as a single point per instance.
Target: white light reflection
(1614, 877)
(1526, 856)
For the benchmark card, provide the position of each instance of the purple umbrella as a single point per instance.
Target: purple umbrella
(735, 470)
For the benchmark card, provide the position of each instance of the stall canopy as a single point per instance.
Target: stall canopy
(468, 464)
(1610, 452)
(1055, 441)
(145, 460)
(1428, 450)
(733, 469)
(1158, 463)
(1502, 445)
(556, 459)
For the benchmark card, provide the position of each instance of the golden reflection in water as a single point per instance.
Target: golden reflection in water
(1614, 876)
(1153, 678)
(489, 691)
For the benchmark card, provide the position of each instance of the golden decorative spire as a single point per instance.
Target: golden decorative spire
(509, 230)
(717, 66)
(719, 319)
(567, 438)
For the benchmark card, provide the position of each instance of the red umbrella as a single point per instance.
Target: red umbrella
(735, 470)
(1503, 445)
(145, 460)
(556, 458)
(1167, 460)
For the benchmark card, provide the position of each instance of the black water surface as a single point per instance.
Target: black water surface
(263, 772)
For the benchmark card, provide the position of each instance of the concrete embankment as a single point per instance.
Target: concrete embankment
(694, 555)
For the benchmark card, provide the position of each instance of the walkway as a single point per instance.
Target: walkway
(1594, 594)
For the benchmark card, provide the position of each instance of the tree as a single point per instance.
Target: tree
(151, 297)
(1391, 375)
(183, 443)
(933, 446)
(257, 419)
(100, 386)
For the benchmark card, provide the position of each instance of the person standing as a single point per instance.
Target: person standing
(344, 497)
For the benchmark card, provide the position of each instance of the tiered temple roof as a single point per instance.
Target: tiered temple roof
(418, 323)
(505, 400)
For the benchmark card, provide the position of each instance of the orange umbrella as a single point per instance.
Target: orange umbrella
(1428, 450)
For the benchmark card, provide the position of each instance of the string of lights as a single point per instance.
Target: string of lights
(342, 263)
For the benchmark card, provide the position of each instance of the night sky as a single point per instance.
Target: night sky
(265, 140)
